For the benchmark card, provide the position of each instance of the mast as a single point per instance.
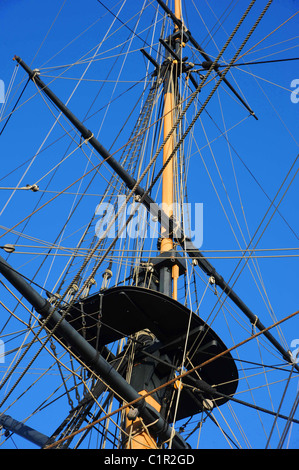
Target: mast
(168, 274)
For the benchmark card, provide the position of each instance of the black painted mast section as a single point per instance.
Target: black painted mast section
(208, 61)
(21, 429)
(154, 209)
(91, 356)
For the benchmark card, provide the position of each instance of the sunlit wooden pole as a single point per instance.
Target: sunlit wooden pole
(168, 173)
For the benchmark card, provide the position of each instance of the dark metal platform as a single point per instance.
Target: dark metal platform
(122, 311)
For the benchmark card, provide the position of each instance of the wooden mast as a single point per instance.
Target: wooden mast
(168, 173)
(141, 439)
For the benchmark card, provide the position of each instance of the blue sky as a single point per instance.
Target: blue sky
(247, 173)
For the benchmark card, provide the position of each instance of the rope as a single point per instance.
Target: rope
(256, 63)
(254, 324)
(195, 118)
(280, 405)
(274, 30)
(287, 426)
